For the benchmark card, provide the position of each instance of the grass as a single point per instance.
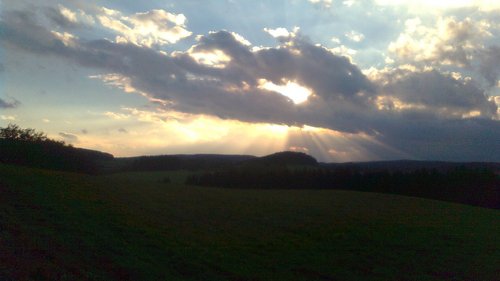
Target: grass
(137, 226)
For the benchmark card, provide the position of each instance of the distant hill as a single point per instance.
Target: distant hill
(279, 159)
(178, 162)
(282, 159)
(212, 161)
(31, 148)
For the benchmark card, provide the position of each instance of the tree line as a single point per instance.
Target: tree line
(479, 187)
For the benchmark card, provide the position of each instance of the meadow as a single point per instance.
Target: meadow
(151, 226)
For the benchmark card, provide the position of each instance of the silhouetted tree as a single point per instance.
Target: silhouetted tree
(31, 148)
(14, 132)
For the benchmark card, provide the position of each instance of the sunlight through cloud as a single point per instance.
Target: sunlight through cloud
(292, 90)
(215, 58)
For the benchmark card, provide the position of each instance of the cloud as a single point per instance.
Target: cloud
(7, 117)
(397, 112)
(324, 3)
(66, 38)
(278, 32)
(448, 42)
(215, 58)
(294, 91)
(68, 137)
(450, 140)
(425, 5)
(489, 65)
(435, 93)
(12, 103)
(355, 36)
(62, 16)
(118, 81)
(155, 27)
(197, 88)
(21, 29)
(496, 100)
(116, 116)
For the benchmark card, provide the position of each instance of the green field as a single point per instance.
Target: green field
(136, 226)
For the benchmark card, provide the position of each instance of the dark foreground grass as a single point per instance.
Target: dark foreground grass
(136, 226)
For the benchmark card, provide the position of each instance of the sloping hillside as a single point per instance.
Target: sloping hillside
(134, 226)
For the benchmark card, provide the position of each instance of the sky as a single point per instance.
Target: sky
(348, 80)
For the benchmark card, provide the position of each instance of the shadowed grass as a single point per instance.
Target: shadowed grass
(138, 226)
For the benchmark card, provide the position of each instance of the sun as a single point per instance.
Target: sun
(291, 89)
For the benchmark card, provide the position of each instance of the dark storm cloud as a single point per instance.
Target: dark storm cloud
(490, 64)
(196, 88)
(450, 140)
(21, 30)
(329, 75)
(436, 91)
(344, 98)
(9, 104)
